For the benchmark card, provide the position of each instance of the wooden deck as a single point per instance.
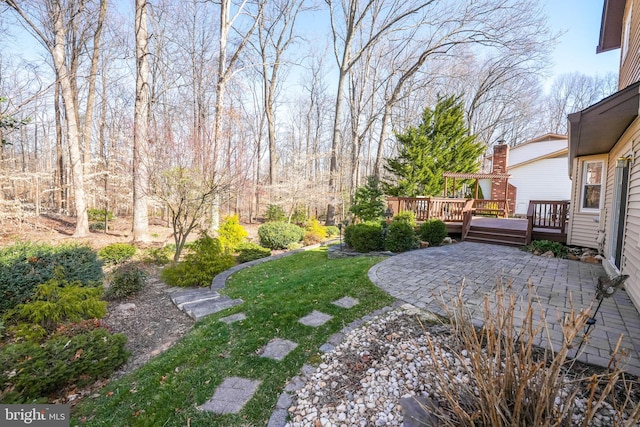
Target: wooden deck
(546, 219)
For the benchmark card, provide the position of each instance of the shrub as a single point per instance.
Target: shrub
(96, 226)
(231, 233)
(314, 232)
(30, 371)
(294, 246)
(278, 235)
(126, 280)
(364, 237)
(433, 231)
(541, 246)
(97, 215)
(23, 266)
(275, 213)
(400, 237)
(157, 256)
(369, 200)
(59, 301)
(250, 251)
(406, 216)
(116, 253)
(299, 215)
(200, 265)
(332, 231)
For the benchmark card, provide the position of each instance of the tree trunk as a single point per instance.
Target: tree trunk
(73, 136)
(140, 131)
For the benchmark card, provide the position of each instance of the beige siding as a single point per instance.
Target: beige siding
(630, 63)
(583, 227)
(628, 144)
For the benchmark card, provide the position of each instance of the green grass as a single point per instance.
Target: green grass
(166, 391)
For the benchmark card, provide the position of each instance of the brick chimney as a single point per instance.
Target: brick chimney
(500, 158)
(500, 162)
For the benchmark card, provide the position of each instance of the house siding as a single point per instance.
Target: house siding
(540, 180)
(627, 145)
(630, 62)
(584, 226)
(532, 150)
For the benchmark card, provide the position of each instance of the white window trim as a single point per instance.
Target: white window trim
(583, 184)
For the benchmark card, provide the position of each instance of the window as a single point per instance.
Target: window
(592, 177)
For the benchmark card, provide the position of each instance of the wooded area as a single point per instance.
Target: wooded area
(256, 102)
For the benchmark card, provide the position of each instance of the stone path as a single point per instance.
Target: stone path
(201, 302)
(432, 278)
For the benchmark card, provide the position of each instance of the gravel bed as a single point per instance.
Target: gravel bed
(380, 365)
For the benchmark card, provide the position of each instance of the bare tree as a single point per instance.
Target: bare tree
(51, 15)
(573, 92)
(275, 34)
(347, 18)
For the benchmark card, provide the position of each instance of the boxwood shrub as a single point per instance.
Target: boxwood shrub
(24, 265)
(278, 235)
(126, 280)
(364, 237)
(400, 237)
(433, 231)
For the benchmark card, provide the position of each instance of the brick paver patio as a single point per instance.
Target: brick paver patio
(431, 278)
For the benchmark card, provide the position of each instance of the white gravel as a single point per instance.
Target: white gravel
(361, 382)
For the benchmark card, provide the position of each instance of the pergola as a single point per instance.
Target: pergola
(477, 176)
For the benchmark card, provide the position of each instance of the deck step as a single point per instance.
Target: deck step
(494, 241)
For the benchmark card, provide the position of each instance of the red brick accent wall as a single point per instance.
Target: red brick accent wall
(500, 158)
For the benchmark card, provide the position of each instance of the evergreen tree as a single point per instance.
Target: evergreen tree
(369, 201)
(441, 143)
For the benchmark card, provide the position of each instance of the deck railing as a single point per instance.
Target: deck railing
(547, 214)
(446, 209)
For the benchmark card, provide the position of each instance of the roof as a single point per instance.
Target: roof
(611, 25)
(596, 129)
(462, 175)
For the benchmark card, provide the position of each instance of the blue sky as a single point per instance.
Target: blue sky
(576, 50)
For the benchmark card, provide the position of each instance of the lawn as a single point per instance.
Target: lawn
(167, 390)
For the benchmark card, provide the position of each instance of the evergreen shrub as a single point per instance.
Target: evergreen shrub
(204, 261)
(231, 233)
(58, 301)
(275, 213)
(364, 237)
(248, 251)
(157, 256)
(97, 215)
(278, 235)
(31, 371)
(24, 265)
(116, 253)
(299, 215)
(433, 231)
(126, 281)
(400, 237)
(406, 216)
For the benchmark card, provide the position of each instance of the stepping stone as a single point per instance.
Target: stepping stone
(199, 309)
(180, 299)
(231, 395)
(315, 319)
(278, 349)
(233, 318)
(346, 302)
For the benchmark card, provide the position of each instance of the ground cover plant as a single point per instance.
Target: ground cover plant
(542, 246)
(277, 294)
(25, 265)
